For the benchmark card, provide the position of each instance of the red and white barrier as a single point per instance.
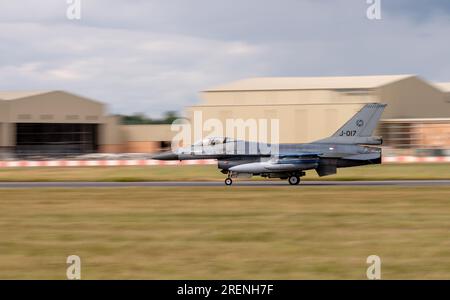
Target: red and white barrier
(152, 162)
(416, 159)
(102, 163)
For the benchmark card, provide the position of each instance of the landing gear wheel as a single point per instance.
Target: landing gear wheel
(293, 180)
(228, 181)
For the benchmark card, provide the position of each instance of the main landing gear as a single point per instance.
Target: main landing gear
(294, 180)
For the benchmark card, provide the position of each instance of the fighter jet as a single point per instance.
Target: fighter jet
(350, 146)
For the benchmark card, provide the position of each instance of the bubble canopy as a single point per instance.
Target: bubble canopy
(212, 141)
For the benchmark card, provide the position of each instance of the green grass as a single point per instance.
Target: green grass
(211, 173)
(223, 233)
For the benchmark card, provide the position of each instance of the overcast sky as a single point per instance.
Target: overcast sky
(153, 56)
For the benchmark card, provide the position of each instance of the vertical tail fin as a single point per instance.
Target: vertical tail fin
(361, 125)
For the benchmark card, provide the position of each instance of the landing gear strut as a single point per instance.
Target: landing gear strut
(228, 181)
(294, 180)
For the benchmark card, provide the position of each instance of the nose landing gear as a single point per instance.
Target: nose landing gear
(228, 181)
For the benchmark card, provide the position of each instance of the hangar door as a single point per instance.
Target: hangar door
(56, 138)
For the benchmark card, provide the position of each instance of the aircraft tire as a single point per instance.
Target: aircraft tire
(228, 181)
(294, 180)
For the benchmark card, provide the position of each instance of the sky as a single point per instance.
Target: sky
(152, 56)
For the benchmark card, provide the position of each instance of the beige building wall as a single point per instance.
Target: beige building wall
(303, 116)
(7, 135)
(3, 124)
(2, 134)
(146, 138)
(297, 123)
(316, 112)
(413, 98)
(111, 138)
(141, 147)
(288, 97)
(4, 107)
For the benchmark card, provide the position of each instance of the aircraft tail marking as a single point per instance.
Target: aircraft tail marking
(363, 123)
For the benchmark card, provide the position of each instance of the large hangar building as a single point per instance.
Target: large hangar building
(52, 122)
(416, 121)
(310, 108)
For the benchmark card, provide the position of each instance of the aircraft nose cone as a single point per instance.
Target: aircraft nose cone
(166, 156)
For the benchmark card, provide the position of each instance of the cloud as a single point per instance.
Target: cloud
(153, 56)
(132, 70)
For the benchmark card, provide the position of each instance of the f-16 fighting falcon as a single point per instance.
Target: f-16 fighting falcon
(352, 145)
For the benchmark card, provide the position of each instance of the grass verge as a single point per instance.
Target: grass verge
(222, 233)
(211, 173)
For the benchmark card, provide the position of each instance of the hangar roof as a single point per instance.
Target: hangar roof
(16, 95)
(13, 95)
(445, 86)
(308, 83)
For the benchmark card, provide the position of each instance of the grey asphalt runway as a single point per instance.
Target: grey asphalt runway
(220, 184)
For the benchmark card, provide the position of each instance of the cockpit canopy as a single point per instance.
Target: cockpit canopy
(212, 141)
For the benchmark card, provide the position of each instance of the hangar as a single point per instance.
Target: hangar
(59, 123)
(416, 121)
(49, 122)
(310, 108)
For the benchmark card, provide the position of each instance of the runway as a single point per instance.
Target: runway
(236, 183)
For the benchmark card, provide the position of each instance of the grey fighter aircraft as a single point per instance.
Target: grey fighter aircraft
(352, 145)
